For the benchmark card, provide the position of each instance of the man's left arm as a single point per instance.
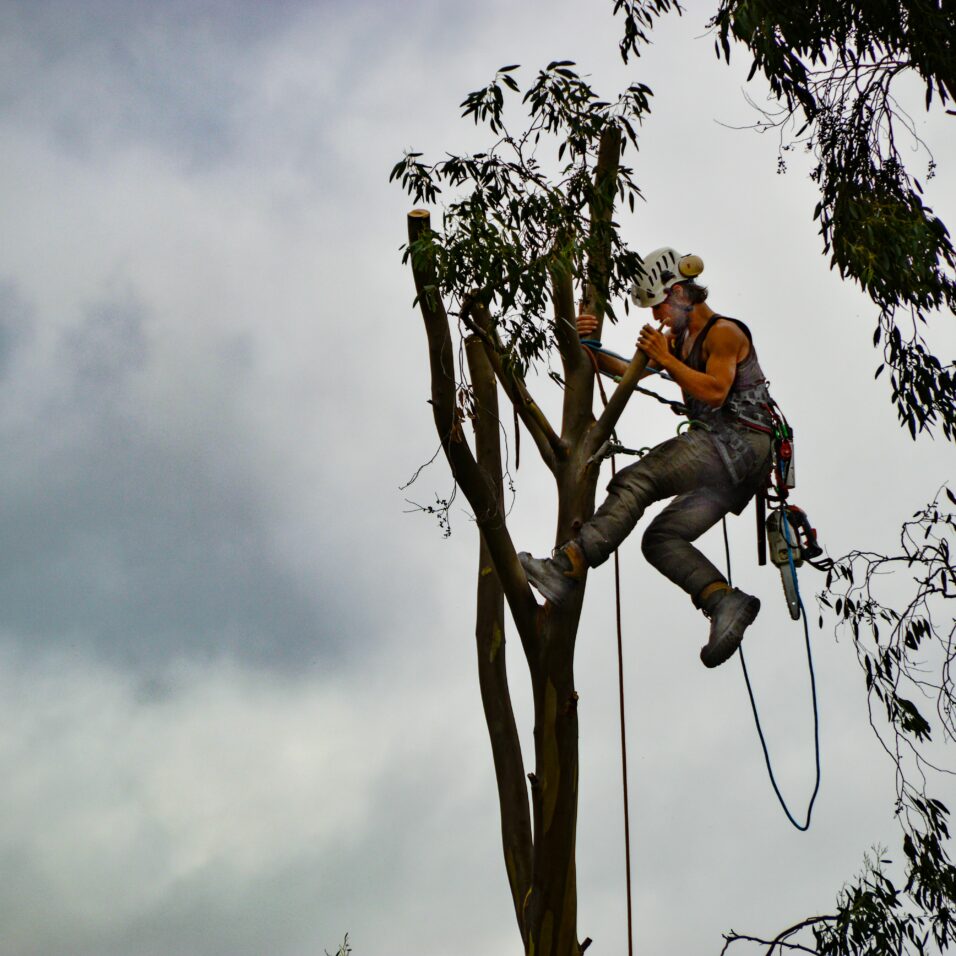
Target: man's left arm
(725, 344)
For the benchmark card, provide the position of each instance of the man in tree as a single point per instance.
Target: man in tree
(713, 468)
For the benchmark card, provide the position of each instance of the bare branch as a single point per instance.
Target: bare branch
(550, 446)
(579, 382)
(490, 637)
(781, 940)
(616, 403)
(478, 489)
(772, 944)
(565, 314)
(602, 211)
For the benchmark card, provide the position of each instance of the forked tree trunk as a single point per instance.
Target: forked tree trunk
(538, 842)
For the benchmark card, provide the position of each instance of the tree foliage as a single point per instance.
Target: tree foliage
(838, 68)
(344, 950)
(906, 646)
(524, 215)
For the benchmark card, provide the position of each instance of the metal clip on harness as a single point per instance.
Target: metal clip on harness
(614, 447)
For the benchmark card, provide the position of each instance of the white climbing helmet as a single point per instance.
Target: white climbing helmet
(663, 268)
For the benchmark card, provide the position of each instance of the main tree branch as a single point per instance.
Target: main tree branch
(478, 489)
(579, 380)
(490, 636)
(602, 211)
(616, 403)
(565, 314)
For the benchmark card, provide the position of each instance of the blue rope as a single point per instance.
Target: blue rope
(803, 827)
(595, 346)
(678, 408)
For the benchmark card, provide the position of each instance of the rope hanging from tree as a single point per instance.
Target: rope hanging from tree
(620, 685)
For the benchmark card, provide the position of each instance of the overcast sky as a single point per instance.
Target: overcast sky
(238, 706)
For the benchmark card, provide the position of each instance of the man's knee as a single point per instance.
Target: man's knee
(655, 540)
(633, 485)
(671, 528)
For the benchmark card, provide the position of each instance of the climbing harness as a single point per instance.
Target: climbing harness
(611, 448)
(790, 538)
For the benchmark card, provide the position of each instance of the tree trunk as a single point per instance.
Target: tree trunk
(552, 906)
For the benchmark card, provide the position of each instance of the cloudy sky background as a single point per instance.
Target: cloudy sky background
(238, 707)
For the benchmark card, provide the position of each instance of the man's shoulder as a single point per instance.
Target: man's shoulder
(728, 338)
(729, 330)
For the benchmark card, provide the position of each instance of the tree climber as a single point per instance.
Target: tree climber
(713, 468)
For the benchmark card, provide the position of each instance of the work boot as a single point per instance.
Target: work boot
(555, 577)
(731, 612)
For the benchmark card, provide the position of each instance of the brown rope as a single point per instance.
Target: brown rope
(620, 683)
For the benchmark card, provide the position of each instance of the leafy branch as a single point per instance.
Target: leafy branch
(532, 206)
(639, 17)
(906, 648)
(834, 69)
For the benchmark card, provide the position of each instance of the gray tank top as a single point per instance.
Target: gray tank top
(747, 405)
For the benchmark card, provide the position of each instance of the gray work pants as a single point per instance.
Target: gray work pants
(690, 467)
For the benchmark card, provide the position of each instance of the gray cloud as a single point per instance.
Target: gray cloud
(125, 539)
(16, 323)
(238, 711)
(107, 73)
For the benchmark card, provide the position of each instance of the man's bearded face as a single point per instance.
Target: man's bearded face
(675, 309)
